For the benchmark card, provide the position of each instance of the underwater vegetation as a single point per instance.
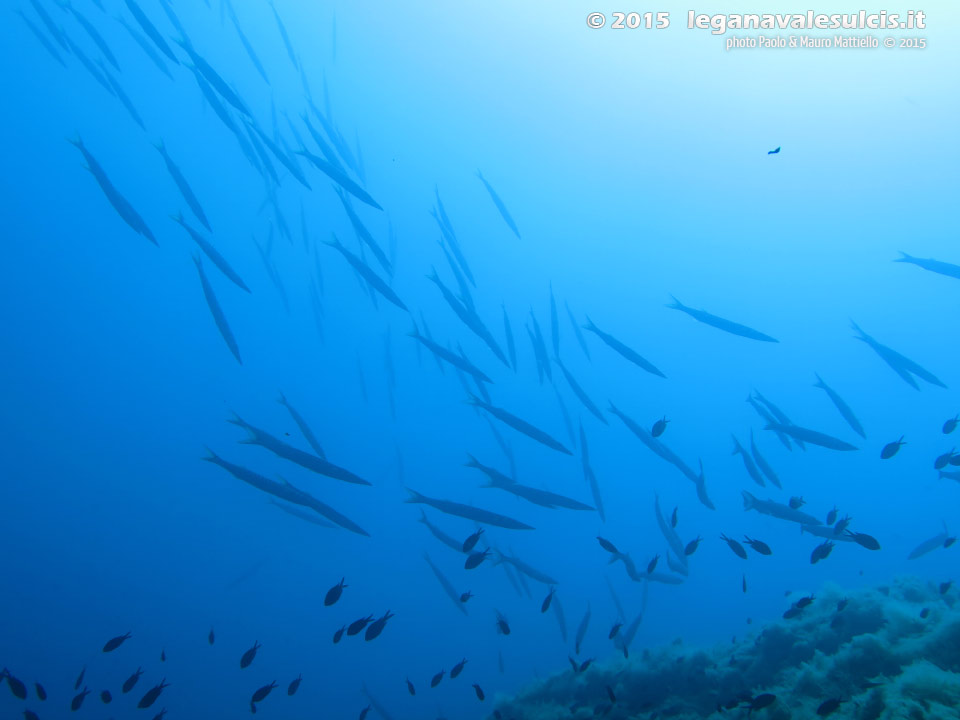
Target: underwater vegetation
(885, 653)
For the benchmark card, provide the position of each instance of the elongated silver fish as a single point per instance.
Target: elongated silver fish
(467, 511)
(216, 311)
(721, 323)
(841, 406)
(778, 510)
(813, 437)
(278, 447)
(627, 352)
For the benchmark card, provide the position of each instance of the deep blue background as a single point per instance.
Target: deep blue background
(635, 166)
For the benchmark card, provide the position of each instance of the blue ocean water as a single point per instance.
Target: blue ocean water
(635, 165)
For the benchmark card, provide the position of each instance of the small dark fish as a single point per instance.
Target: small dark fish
(545, 605)
(471, 541)
(249, 655)
(925, 613)
(691, 547)
(338, 634)
(943, 460)
(608, 546)
(832, 516)
(41, 693)
(18, 689)
(363, 713)
(477, 689)
(804, 601)
(150, 697)
(659, 426)
(475, 559)
(78, 699)
(377, 626)
(841, 525)
(950, 425)
(435, 680)
(828, 707)
(891, 449)
(159, 715)
(334, 593)
(30, 715)
(262, 692)
(131, 681)
(457, 669)
(573, 663)
(584, 665)
(466, 596)
(758, 545)
(774, 152)
(821, 552)
(744, 585)
(116, 642)
(503, 627)
(294, 685)
(945, 587)
(864, 540)
(163, 655)
(673, 518)
(761, 701)
(652, 565)
(614, 630)
(211, 637)
(613, 698)
(410, 688)
(105, 697)
(358, 625)
(797, 502)
(736, 547)
(79, 680)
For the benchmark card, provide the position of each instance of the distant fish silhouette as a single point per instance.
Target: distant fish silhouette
(773, 152)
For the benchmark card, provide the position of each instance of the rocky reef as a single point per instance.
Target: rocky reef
(885, 653)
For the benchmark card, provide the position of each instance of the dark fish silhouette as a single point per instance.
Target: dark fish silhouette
(78, 699)
(262, 692)
(116, 642)
(721, 323)
(131, 681)
(122, 206)
(377, 626)
(760, 546)
(658, 427)
(936, 266)
(150, 697)
(458, 668)
(821, 552)
(249, 655)
(468, 511)
(773, 152)
(891, 449)
(736, 547)
(294, 685)
(334, 593)
(479, 691)
(501, 208)
(623, 350)
(841, 406)
(217, 312)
